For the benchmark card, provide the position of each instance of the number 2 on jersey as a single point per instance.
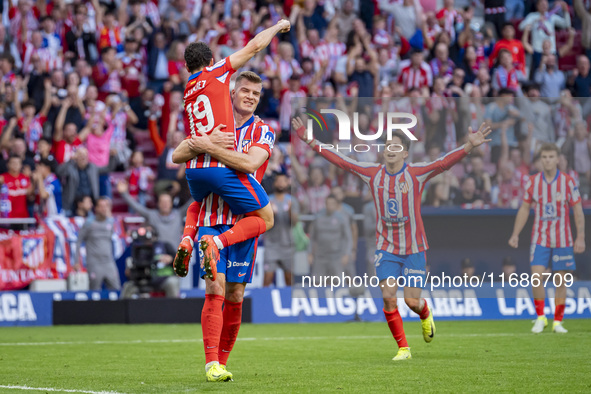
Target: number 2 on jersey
(201, 110)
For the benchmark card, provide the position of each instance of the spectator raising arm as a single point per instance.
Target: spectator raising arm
(8, 133)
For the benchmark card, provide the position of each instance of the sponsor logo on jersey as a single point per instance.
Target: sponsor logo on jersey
(269, 138)
(392, 207)
(557, 258)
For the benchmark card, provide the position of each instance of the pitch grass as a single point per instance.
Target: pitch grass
(464, 357)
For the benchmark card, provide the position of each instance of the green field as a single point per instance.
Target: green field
(464, 356)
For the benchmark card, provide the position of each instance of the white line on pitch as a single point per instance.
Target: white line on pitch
(322, 338)
(55, 390)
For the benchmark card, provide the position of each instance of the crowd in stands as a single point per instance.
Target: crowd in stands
(91, 92)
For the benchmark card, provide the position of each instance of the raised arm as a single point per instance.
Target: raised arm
(46, 98)
(8, 133)
(426, 171)
(123, 189)
(58, 132)
(159, 144)
(562, 22)
(257, 44)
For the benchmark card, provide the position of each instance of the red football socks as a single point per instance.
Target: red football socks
(539, 307)
(211, 325)
(559, 312)
(425, 312)
(232, 318)
(247, 228)
(395, 324)
(191, 221)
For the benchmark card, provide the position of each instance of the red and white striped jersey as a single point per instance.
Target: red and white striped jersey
(553, 201)
(411, 77)
(208, 104)
(214, 210)
(397, 197)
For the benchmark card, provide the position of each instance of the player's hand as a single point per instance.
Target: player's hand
(514, 241)
(220, 138)
(122, 187)
(77, 267)
(579, 245)
(298, 126)
(478, 138)
(564, 6)
(285, 25)
(202, 143)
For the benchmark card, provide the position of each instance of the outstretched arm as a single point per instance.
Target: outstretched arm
(520, 221)
(424, 172)
(257, 44)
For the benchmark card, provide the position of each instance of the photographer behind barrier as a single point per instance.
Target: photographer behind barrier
(149, 267)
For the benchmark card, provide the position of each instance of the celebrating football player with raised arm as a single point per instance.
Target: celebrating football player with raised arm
(396, 188)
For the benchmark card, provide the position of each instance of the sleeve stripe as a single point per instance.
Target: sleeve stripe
(425, 164)
(217, 65)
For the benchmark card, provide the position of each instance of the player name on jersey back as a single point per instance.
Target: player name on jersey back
(208, 104)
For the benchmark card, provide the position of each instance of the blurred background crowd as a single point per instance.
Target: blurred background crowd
(91, 91)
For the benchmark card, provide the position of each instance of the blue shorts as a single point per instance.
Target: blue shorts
(242, 192)
(236, 261)
(563, 259)
(397, 265)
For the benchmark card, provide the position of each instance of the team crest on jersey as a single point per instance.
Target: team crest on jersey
(246, 145)
(558, 197)
(404, 188)
(392, 207)
(23, 182)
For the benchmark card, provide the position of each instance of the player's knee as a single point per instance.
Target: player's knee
(235, 292)
(412, 303)
(212, 287)
(235, 296)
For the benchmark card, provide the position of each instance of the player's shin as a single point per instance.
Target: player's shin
(211, 325)
(396, 328)
(185, 250)
(232, 318)
(190, 230)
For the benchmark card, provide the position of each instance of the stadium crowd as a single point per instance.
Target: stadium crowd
(92, 92)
